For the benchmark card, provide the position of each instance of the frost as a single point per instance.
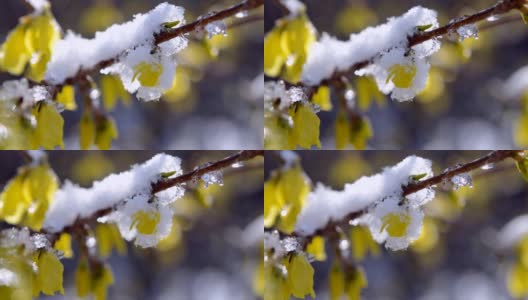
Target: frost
(213, 177)
(216, 28)
(40, 241)
(325, 204)
(329, 54)
(72, 201)
(287, 97)
(461, 180)
(14, 237)
(131, 42)
(467, 31)
(280, 248)
(20, 90)
(513, 232)
(8, 278)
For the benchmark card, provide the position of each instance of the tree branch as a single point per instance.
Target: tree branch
(491, 158)
(500, 8)
(80, 223)
(168, 35)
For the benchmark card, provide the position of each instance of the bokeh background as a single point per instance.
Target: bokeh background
(464, 108)
(218, 102)
(215, 255)
(458, 261)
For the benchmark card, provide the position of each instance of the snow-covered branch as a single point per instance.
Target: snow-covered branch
(380, 186)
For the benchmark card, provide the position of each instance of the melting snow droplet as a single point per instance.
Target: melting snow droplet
(493, 18)
(487, 166)
(213, 177)
(350, 97)
(216, 28)
(467, 31)
(242, 14)
(237, 165)
(462, 180)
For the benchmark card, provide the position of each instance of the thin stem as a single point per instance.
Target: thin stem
(491, 158)
(168, 35)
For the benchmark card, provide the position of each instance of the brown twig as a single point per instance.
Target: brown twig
(166, 36)
(80, 224)
(491, 158)
(500, 8)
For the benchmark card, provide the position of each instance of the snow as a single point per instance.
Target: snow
(14, 237)
(39, 5)
(124, 220)
(277, 90)
(374, 220)
(386, 43)
(8, 278)
(325, 204)
(213, 177)
(72, 201)
(516, 84)
(514, 231)
(19, 89)
(295, 7)
(280, 247)
(467, 31)
(216, 28)
(74, 52)
(289, 158)
(379, 70)
(461, 180)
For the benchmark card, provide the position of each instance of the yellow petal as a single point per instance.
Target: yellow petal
(336, 282)
(15, 200)
(86, 131)
(111, 90)
(83, 279)
(300, 277)
(396, 224)
(145, 222)
(322, 98)
(317, 248)
(66, 97)
(274, 57)
(49, 129)
(147, 74)
(15, 52)
(63, 244)
(401, 75)
(105, 133)
(49, 276)
(305, 127)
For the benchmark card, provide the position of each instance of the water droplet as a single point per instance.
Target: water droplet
(493, 18)
(237, 165)
(461, 180)
(467, 31)
(213, 177)
(216, 28)
(488, 166)
(241, 14)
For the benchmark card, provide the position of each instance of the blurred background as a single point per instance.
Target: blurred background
(217, 99)
(214, 247)
(464, 105)
(456, 259)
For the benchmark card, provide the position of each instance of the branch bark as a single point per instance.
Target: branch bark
(166, 36)
(493, 157)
